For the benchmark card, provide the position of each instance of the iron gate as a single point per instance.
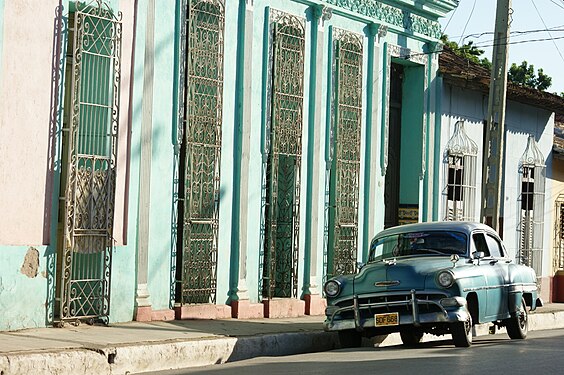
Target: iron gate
(202, 150)
(92, 147)
(345, 145)
(281, 238)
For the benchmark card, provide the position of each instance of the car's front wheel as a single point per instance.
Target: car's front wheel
(411, 337)
(462, 333)
(518, 325)
(350, 338)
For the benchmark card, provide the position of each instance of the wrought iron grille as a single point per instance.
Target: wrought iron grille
(345, 144)
(558, 257)
(531, 213)
(92, 148)
(281, 246)
(202, 150)
(460, 173)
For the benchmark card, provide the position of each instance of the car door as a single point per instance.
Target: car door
(500, 263)
(495, 305)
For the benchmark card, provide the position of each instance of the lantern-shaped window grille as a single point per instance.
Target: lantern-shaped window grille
(558, 256)
(532, 172)
(460, 160)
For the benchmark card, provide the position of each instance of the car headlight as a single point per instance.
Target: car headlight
(445, 279)
(332, 288)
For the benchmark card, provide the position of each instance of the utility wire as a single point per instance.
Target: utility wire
(555, 45)
(450, 19)
(484, 45)
(479, 35)
(555, 3)
(494, 42)
(468, 21)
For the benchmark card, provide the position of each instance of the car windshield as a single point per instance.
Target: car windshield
(418, 243)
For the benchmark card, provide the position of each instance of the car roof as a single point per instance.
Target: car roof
(458, 226)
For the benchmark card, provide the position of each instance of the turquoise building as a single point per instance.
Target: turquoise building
(207, 158)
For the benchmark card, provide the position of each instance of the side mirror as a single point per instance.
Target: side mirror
(360, 265)
(479, 254)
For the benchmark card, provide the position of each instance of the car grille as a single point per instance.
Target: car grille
(383, 303)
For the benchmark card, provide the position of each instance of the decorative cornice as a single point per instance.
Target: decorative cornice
(390, 15)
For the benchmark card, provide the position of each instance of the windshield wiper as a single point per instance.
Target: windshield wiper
(432, 251)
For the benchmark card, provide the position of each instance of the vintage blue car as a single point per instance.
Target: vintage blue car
(439, 278)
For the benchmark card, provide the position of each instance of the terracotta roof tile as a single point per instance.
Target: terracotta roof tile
(462, 72)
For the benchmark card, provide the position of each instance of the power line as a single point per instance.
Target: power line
(450, 19)
(479, 35)
(483, 45)
(468, 20)
(555, 45)
(524, 41)
(555, 3)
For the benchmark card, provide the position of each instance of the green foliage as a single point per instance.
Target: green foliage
(468, 51)
(525, 75)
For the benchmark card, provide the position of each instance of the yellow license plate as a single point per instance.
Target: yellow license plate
(390, 319)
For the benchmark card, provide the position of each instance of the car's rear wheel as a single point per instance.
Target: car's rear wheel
(350, 338)
(518, 325)
(462, 333)
(411, 337)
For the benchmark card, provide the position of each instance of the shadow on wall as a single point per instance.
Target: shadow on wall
(53, 170)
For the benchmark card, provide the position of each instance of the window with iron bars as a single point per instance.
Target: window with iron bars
(531, 207)
(558, 255)
(460, 175)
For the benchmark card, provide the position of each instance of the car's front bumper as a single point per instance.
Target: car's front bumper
(410, 313)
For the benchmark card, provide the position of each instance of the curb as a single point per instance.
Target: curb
(150, 357)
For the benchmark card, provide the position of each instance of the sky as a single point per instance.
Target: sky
(474, 17)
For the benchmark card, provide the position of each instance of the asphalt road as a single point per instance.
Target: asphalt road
(541, 353)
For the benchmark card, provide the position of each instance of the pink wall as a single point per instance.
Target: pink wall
(25, 121)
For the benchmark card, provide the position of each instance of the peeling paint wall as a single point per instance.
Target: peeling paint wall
(23, 287)
(30, 264)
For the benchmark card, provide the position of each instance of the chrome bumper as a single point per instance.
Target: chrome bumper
(457, 314)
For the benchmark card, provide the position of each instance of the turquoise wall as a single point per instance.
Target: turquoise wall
(229, 130)
(160, 223)
(22, 298)
(30, 311)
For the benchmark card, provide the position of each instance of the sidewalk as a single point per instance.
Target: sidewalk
(145, 347)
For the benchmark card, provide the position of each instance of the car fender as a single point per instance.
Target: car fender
(522, 283)
(471, 283)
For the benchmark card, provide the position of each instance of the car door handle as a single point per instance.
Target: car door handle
(493, 261)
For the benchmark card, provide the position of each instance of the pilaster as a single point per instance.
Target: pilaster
(314, 302)
(371, 178)
(142, 296)
(241, 307)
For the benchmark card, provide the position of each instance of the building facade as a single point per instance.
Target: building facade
(207, 158)
(531, 174)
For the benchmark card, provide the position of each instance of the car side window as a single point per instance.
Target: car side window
(480, 243)
(494, 246)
